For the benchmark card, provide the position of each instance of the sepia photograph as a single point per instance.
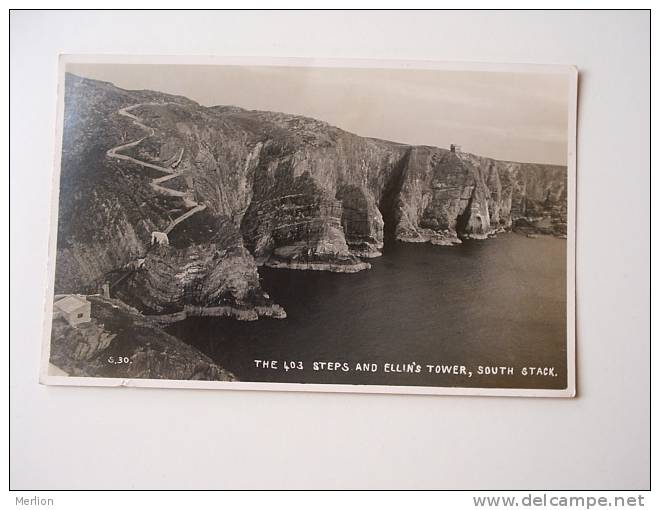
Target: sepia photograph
(339, 225)
(343, 250)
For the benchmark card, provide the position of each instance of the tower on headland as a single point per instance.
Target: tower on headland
(454, 148)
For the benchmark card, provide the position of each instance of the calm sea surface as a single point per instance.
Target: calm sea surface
(495, 303)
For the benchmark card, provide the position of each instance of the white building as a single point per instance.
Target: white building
(73, 308)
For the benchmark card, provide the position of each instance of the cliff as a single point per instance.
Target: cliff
(260, 188)
(217, 277)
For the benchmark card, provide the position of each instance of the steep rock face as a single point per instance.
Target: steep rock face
(325, 175)
(299, 229)
(117, 331)
(217, 153)
(525, 194)
(107, 210)
(361, 221)
(283, 190)
(442, 196)
(218, 277)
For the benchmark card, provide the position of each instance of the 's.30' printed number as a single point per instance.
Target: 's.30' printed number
(119, 360)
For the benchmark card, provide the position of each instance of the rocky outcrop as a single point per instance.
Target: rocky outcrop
(278, 190)
(120, 342)
(218, 277)
(440, 198)
(301, 229)
(524, 194)
(107, 210)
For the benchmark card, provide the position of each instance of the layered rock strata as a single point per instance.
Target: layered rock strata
(279, 190)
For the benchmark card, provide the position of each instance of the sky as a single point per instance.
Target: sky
(508, 116)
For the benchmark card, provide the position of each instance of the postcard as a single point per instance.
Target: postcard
(313, 225)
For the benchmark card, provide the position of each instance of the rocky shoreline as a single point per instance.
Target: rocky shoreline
(339, 265)
(119, 341)
(277, 190)
(273, 311)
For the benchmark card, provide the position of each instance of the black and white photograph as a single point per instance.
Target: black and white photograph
(398, 255)
(356, 227)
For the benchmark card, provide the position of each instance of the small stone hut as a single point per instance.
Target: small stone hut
(74, 309)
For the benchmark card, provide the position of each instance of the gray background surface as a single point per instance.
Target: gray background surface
(142, 438)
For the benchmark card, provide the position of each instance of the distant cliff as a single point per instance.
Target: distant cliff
(279, 190)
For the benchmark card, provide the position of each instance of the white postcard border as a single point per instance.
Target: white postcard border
(569, 70)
